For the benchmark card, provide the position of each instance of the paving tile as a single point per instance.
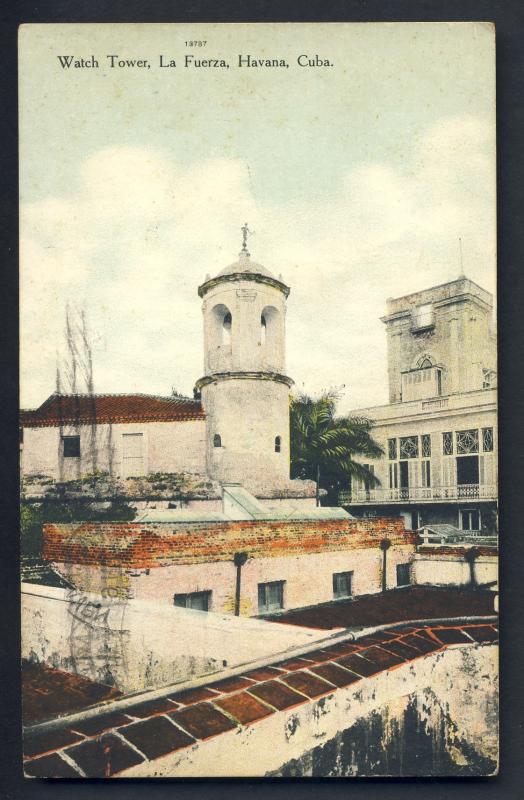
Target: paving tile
(308, 684)
(263, 673)
(318, 656)
(96, 725)
(335, 674)
(52, 740)
(482, 633)
(191, 696)
(155, 737)
(150, 707)
(426, 633)
(379, 656)
(104, 756)
(420, 643)
(231, 684)
(450, 635)
(277, 694)
(372, 638)
(400, 648)
(202, 721)
(244, 707)
(51, 766)
(293, 663)
(361, 666)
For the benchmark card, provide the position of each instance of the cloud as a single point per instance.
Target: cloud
(138, 232)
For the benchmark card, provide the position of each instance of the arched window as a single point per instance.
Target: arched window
(217, 440)
(226, 328)
(278, 444)
(263, 328)
(425, 362)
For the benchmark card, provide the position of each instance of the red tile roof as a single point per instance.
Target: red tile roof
(166, 731)
(83, 409)
(414, 602)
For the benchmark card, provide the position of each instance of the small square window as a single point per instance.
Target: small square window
(342, 584)
(403, 575)
(198, 601)
(71, 446)
(270, 596)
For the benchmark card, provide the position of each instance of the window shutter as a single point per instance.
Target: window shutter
(486, 470)
(413, 474)
(449, 472)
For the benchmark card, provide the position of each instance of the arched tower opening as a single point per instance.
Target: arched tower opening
(221, 325)
(226, 328)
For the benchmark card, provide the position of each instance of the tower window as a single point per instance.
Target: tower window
(278, 444)
(488, 378)
(263, 328)
(217, 440)
(226, 328)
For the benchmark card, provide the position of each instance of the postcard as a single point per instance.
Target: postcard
(258, 425)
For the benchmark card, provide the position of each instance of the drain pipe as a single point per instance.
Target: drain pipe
(471, 556)
(385, 544)
(239, 559)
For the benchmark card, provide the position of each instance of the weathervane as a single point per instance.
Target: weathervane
(245, 233)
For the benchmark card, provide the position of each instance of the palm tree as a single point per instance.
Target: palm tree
(323, 444)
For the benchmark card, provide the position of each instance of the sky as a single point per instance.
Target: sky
(357, 178)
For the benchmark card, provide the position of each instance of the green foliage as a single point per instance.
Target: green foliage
(323, 445)
(34, 515)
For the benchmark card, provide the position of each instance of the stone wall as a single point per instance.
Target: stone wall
(162, 560)
(148, 545)
(180, 645)
(167, 447)
(448, 566)
(248, 414)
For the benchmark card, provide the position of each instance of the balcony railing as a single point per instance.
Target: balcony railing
(469, 491)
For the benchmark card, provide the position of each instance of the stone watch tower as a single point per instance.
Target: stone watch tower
(244, 390)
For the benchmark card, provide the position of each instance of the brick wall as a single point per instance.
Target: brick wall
(140, 545)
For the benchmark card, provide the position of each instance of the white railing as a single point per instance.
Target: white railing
(471, 491)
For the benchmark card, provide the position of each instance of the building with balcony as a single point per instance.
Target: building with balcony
(439, 430)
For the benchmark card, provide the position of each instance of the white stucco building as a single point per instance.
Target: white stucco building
(235, 430)
(439, 430)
